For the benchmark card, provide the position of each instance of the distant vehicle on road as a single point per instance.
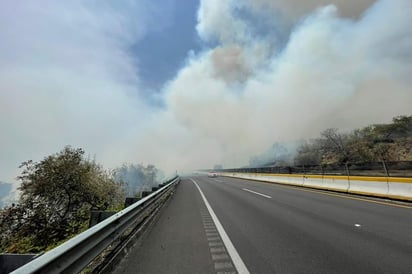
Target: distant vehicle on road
(212, 174)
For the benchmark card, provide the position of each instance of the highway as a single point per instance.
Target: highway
(227, 225)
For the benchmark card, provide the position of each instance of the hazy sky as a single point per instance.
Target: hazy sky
(190, 85)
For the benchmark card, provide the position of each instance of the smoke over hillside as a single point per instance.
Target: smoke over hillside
(252, 89)
(270, 71)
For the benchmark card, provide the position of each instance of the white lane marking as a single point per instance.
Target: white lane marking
(214, 240)
(221, 265)
(215, 244)
(215, 234)
(220, 257)
(266, 196)
(239, 264)
(217, 249)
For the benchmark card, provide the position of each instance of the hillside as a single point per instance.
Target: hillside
(374, 143)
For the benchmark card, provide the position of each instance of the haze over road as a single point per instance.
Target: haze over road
(273, 229)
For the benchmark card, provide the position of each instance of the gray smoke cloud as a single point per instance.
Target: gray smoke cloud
(273, 75)
(66, 79)
(294, 9)
(333, 71)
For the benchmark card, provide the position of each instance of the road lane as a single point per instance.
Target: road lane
(294, 231)
(257, 193)
(231, 250)
(177, 242)
(305, 232)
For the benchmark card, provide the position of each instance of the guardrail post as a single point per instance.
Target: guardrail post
(130, 200)
(155, 188)
(96, 216)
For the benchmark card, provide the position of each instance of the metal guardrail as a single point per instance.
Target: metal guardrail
(75, 254)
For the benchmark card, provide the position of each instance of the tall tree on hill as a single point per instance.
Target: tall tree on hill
(334, 146)
(57, 195)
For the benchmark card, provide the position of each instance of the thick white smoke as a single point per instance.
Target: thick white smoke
(66, 79)
(277, 71)
(241, 96)
(294, 9)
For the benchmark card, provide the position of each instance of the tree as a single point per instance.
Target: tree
(361, 145)
(334, 146)
(308, 154)
(374, 143)
(57, 195)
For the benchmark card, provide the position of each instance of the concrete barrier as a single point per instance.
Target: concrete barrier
(378, 186)
(400, 188)
(336, 183)
(387, 187)
(313, 181)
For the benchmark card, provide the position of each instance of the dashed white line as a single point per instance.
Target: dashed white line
(222, 265)
(215, 234)
(257, 193)
(217, 249)
(221, 256)
(237, 261)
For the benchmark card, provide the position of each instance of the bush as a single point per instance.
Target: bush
(57, 195)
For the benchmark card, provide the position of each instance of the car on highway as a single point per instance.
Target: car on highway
(212, 174)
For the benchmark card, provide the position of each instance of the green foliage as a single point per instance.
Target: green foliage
(308, 154)
(57, 195)
(388, 142)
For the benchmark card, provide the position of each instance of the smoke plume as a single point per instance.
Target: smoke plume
(271, 71)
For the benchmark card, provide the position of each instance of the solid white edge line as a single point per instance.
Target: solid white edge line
(267, 196)
(237, 261)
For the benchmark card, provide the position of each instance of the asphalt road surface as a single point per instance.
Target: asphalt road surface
(227, 225)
